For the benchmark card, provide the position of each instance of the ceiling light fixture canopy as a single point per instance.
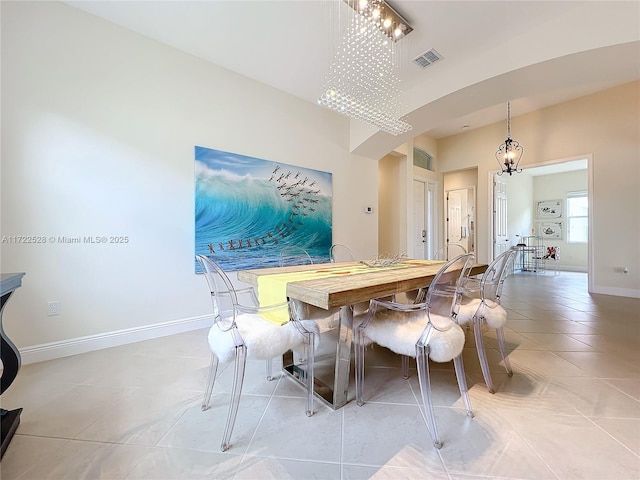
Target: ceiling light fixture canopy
(383, 15)
(361, 82)
(510, 152)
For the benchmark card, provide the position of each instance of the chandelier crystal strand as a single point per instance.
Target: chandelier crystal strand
(361, 82)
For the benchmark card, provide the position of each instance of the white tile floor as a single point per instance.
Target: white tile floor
(571, 410)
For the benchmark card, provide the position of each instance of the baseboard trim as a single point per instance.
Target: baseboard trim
(90, 343)
(618, 292)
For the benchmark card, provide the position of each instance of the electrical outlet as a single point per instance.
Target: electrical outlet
(53, 308)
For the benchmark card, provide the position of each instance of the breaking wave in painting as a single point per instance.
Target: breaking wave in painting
(243, 221)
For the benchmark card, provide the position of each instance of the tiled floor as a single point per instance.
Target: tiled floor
(571, 410)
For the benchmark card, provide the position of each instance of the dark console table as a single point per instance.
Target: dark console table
(10, 361)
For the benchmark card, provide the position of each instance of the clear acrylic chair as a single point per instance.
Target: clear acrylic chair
(425, 330)
(486, 310)
(292, 255)
(449, 251)
(241, 331)
(341, 253)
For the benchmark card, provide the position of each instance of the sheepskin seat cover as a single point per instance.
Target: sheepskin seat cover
(400, 331)
(494, 314)
(264, 340)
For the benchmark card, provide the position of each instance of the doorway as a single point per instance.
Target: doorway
(552, 180)
(500, 219)
(424, 215)
(460, 218)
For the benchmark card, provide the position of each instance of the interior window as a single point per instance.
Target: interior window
(422, 159)
(577, 217)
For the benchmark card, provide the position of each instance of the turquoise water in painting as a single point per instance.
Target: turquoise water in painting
(247, 210)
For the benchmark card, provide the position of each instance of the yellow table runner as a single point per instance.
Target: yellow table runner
(272, 289)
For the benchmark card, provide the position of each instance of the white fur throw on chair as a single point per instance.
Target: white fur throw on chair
(400, 331)
(494, 313)
(264, 340)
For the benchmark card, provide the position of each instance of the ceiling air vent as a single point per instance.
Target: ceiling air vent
(427, 58)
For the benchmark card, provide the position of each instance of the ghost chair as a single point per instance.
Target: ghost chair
(486, 310)
(423, 331)
(292, 255)
(341, 253)
(449, 251)
(241, 331)
(248, 297)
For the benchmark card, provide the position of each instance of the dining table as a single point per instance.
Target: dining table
(337, 290)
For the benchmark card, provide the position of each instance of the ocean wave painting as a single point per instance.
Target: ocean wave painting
(247, 210)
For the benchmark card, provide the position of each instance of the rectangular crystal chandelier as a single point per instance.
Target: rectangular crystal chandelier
(361, 82)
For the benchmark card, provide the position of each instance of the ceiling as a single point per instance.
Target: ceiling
(534, 53)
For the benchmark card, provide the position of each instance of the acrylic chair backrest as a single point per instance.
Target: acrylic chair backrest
(493, 278)
(223, 294)
(292, 255)
(444, 294)
(341, 253)
(450, 251)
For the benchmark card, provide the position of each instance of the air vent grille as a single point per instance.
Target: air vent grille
(427, 58)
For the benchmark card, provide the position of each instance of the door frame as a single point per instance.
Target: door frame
(471, 188)
(589, 157)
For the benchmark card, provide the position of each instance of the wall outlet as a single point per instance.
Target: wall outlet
(53, 308)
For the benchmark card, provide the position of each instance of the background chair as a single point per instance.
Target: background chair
(341, 253)
(449, 251)
(292, 255)
(239, 331)
(487, 310)
(552, 255)
(420, 330)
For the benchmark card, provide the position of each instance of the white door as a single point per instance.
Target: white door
(419, 216)
(500, 236)
(457, 225)
(423, 211)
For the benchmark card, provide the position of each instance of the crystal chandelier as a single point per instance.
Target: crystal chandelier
(361, 82)
(510, 152)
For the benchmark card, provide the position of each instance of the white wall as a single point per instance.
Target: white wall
(98, 133)
(390, 212)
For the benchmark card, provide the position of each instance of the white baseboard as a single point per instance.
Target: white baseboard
(74, 346)
(618, 292)
(570, 268)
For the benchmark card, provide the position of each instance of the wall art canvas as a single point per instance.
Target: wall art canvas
(550, 230)
(550, 209)
(248, 209)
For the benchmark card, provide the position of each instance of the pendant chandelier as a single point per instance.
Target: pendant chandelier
(361, 82)
(510, 152)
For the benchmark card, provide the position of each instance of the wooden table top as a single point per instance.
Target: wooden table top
(340, 290)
